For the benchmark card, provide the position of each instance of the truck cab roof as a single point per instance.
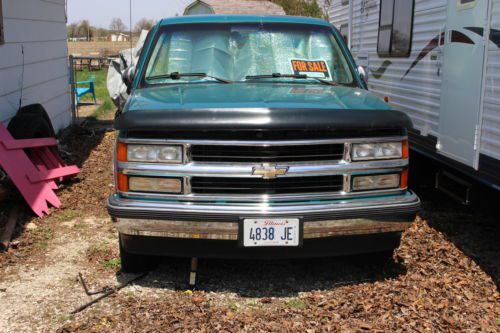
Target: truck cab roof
(193, 19)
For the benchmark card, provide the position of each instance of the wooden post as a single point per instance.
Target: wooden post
(72, 81)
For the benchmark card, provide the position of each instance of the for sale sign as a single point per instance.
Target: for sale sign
(312, 68)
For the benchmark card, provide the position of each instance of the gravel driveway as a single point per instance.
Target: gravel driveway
(443, 277)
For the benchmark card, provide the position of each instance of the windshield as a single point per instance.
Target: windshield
(235, 51)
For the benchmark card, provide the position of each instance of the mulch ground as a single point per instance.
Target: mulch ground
(441, 290)
(443, 278)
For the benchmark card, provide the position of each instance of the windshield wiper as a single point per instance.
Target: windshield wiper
(291, 76)
(178, 76)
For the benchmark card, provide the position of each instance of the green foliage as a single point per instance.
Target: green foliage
(112, 264)
(105, 103)
(296, 303)
(42, 237)
(301, 8)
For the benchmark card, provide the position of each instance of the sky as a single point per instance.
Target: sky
(100, 12)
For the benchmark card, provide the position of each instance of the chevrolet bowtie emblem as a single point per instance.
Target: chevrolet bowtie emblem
(269, 171)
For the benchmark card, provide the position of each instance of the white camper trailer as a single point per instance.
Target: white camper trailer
(34, 72)
(439, 61)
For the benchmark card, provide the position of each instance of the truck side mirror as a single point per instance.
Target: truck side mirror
(128, 76)
(362, 74)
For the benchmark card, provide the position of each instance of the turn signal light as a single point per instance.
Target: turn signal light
(404, 179)
(121, 152)
(122, 182)
(405, 150)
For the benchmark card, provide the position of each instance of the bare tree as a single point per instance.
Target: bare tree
(143, 24)
(101, 32)
(84, 30)
(72, 30)
(117, 26)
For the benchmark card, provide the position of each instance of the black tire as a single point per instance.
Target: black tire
(31, 122)
(29, 127)
(136, 263)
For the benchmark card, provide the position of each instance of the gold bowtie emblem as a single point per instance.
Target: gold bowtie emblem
(269, 171)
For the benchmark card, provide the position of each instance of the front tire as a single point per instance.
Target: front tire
(135, 263)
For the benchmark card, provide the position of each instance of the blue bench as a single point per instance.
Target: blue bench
(89, 88)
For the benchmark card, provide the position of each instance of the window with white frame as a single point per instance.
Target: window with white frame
(395, 28)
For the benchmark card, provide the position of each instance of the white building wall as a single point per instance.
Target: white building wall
(36, 28)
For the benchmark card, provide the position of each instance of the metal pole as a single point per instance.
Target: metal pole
(349, 33)
(72, 89)
(131, 42)
(192, 273)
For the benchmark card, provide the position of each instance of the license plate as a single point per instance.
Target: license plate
(271, 232)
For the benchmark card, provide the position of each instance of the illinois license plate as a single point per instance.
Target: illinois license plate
(271, 232)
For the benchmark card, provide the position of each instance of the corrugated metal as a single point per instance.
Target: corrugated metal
(38, 27)
(421, 104)
(338, 13)
(490, 136)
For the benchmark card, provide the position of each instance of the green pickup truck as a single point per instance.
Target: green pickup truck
(255, 137)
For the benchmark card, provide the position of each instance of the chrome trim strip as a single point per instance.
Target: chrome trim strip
(245, 170)
(347, 152)
(229, 230)
(266, 208)
(260, 198)
(263, 143)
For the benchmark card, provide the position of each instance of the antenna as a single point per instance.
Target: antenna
(131, 42)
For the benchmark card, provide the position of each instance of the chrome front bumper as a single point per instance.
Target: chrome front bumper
(196, 220)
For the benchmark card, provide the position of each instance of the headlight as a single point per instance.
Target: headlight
(375, 182)
(155, 184)
(154, 153)
(376, 151)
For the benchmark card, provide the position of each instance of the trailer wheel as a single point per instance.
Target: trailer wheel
(135, 263)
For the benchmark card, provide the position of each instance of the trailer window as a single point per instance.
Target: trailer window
(466, 4)
(2, 40)
(395, 28)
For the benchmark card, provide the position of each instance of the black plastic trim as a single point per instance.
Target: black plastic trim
(279, 119)
(202, 248)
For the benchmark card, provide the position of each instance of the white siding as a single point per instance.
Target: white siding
(490, 136)
(38, 27)
(418, 94)
(338, 14)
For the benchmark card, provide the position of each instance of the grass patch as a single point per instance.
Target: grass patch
(105, 103)
(66, 215)
(103, 255)
(234, 306)
(296, 303)
(254, 304)
(111, 264)
(42, 237)
(64, 318)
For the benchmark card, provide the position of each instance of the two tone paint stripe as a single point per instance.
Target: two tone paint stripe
(456, 37)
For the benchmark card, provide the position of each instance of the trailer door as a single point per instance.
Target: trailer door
(463, 61)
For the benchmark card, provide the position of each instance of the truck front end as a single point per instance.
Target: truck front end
(256, 137)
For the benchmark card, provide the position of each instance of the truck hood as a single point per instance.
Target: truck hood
(260, 106)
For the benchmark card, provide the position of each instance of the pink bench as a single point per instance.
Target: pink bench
(35, 175)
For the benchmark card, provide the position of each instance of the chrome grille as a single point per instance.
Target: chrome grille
(260, 154)
(283, 185)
